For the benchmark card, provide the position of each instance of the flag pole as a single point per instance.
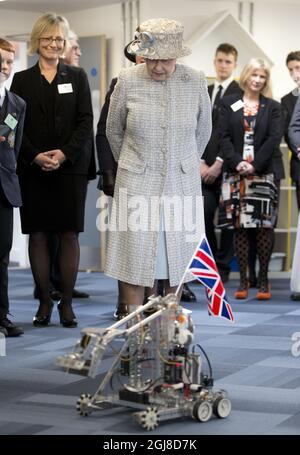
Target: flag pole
(188, 266)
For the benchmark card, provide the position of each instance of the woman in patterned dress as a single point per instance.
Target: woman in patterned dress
(250, 128)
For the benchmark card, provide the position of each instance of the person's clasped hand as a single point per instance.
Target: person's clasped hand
(210, 173)
(245, 168)
(2, 138)
(51, 160)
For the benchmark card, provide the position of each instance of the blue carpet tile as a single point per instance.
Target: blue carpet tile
(251, 359)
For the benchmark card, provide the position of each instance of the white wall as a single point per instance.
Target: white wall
(16, 22)
(272, 25)
(187, 10)
(105, 20)
(276, 28)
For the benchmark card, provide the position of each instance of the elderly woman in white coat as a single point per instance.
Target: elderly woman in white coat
(158, 125)
(294, 138)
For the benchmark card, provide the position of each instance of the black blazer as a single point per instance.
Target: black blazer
(73, 119)
(106, 159)
(267, 136)
(9, 149)
(288, 103)
(212, 149)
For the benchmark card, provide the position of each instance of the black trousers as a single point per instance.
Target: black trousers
(225, 252)
(298, 194)
(6, 235)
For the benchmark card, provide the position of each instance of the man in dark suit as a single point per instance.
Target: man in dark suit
(288, 103)
(12, 113)
(212, 162)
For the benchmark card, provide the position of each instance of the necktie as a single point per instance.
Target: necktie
(216, 106)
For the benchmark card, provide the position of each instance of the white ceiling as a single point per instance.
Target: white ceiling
(66, 6)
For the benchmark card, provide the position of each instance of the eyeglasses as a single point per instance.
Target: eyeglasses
(50, 39)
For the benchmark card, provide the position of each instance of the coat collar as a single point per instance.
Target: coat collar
(62, 68)
(263, 101)
(261, 109)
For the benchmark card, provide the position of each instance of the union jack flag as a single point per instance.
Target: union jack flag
(205, 270)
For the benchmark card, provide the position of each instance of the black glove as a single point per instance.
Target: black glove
(109, 178)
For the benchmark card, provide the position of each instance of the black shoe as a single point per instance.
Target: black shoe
(121, 311)
(66, 316)
(40, 319)
(187, 295)
(79, 295)
(11, 329)
(295, 296)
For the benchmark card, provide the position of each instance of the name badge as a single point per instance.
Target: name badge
(11, 121)
(248, 153)
(65, 88)
(237, 105)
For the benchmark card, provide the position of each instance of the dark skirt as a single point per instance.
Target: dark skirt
(52, 202)
(248, 202)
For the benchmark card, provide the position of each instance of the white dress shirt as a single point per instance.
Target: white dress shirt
(225, 84)
(2, 95)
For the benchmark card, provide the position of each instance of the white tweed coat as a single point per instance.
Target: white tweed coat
(157, 132)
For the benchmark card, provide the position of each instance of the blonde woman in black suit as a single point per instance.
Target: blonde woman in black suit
(54, 160)
(251, 130)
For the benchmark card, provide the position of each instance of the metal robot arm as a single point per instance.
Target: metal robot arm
(88, 353)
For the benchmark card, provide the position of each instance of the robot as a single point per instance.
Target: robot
(159, 371)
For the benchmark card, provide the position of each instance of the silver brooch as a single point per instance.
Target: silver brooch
(185, 77)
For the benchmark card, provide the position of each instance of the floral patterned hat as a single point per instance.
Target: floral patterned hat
(159, 39)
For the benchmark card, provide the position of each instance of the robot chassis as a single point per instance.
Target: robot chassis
(161, 378)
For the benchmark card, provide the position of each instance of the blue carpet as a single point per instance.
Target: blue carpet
(251, 359)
